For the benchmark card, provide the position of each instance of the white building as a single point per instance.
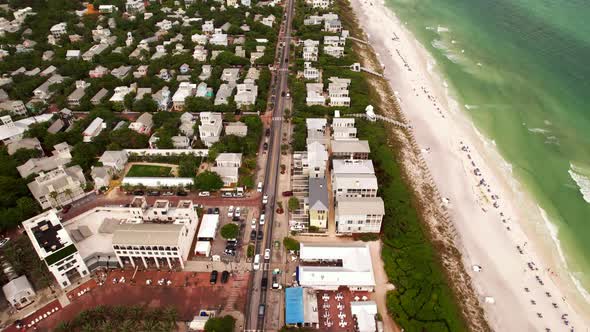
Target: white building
(237, 129)
(359, 214)
(114, 159)
(59, 30)
(366, 315)
(94, 129)
(315, 94)
(343, 129)
(310, 52)
(310, 72)
(19, 292)
(246, 93)
(55, 247)
(354, 185)
(227, 166)
(335, 51)
(135, 6)
(121, 92)
(328, 266)
(59, 186)
(210, 127)
(13, 131)
(338, 92)
(223, 94)
(218, 38)
(185, 89)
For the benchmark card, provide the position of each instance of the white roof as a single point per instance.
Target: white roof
(208, 226)
(20, 126)
(352, 166)
(354, 181)
(97, 122)
(357, 206)
(356, 268)
(365, 312)
(203, 247)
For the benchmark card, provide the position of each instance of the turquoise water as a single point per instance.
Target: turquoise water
(522, 68)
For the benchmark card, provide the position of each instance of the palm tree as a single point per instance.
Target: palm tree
(69, 193)
(54, 196)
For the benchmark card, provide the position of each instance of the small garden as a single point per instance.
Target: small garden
(149, 171)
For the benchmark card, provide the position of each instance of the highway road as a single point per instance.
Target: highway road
(257, 296)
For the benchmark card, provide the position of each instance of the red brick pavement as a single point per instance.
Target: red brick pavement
(188, 300)
(333, 310)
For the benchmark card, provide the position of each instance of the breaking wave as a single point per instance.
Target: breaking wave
(582, 179)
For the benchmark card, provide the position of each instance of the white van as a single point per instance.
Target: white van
(262, 219)
(256, 264)
(259, 189)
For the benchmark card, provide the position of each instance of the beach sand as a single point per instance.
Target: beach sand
(487, 236)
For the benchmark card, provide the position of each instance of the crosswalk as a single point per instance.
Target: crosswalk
(277, 118)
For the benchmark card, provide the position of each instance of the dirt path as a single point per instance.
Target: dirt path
(382, 285)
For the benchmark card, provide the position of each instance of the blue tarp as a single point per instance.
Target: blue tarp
(294, 305)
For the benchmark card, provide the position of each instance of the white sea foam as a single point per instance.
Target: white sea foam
(471, 107)
(440, 29)
(538, 130)
(554, 232)
(582, 179)
(547, 122)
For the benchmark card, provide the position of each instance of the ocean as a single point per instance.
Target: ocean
(521, 70)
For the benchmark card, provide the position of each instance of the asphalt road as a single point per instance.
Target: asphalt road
(256, 295)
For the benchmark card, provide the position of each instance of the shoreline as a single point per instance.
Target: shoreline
(450, 144)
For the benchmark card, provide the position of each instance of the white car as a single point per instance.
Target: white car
(4, 241)
(254, 223)
(230, 211)
(256, 264)
(204, 194)
(264, 199)
(267, 254)
(262, 219)
(259, 189)
(237, 213)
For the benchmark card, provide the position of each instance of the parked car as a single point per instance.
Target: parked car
(227, 194)
(4, 241)
(256, 263)
(204, 194)
(153, 193)
(216, 211)
(264, 283)
(267, 133)
(260, 235)
(265, 146)
(266, 254)
(275, 282)
(138, 193)
(230, 211)
(287, 193)
(224, 277)
(253, 236)
(181, 193)
(235, 219)
(261, 310)
(66, 208)
(213, 278)
(168, 193)
(262, 219)
(237, 213)
(264, 199)
(259, 188)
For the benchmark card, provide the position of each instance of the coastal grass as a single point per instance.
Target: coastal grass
(149, 171)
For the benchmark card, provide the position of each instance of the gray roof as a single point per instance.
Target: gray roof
(37, 165)
(25, 143)
(59, 182)
(318, 194)
(55, 126)
(147, 234)
(350, 146)
(15, 286)
(112, 156)
(359, 206)
(348, 166)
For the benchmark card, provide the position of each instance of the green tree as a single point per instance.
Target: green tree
(250, 251)
(208, 181)
(290, 243)
(188, 166)
(165, 142)
(220, 324)
(145, 104)
(23, 155)
(293, 204)
(230, 231)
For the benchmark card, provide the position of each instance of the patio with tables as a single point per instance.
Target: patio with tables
(334, 309)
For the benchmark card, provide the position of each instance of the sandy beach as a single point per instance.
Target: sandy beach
(505, 241)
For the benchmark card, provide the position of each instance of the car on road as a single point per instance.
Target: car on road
(153, 193)
(216, 211)
(204, 194)
(181, 193)
(262, 218)
(283, 94)
(267, 133)
(230, 211)
(267, 254)
(264, 199)
(213, 278)
(264, 283)
(224, 277)
(253, 225)
(138, 193)
(261, 310)
(253, 236)
(256, 263)
(259, 187)
(287, 193)
(237, 213)
(260, 235)
(227, 195)
(265, 146)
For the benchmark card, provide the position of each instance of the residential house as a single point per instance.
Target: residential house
(338, 92)
(95, 127)
(230, 75)
(76, 96)
(187, 124)
(343, 128)
(313, 20)
(59, 30)
(93, 51)
(13, 131)
(98, 72)
(42, 92)
(224, 93)
(15, 107)
(323, 4)
(334, 41)
(164, 25)
(48, 71)
(350, 149)
(19, 292)
(227, 166)
(310, 50)
(181, 142)
(210, 127)
(143, 124)
(185, 89)
(335, 51)
(246, 94)
(205, 72)
(315, 94)
(121, 92)
(99, 34)
(354, 185)
(359, 214)
(199, 39)
(61, 157)
(99, 96)
(218, 38)
(162, 98)
(135, 6)
(101, 176)
(310, 72)
(269, 20)
(200, 53)
(121, 72)
(58, 187)
(25, 143)
(143, 92)
(317, 158)
(114, 159)
(318, 203)
(72, 54)
(207, 26)
(237, 129)
(333, 25)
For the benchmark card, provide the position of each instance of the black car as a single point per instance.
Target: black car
(181, 193)
(283, 93)
(260, 235)
(253, 236)
(267, 131)
(235, 219)
(264, 283)
(224, 277)
(265, 146)
(216, 211)
(138, 193)
(209, 211)
(213, 279)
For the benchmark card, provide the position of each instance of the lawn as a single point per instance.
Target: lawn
(149, 171)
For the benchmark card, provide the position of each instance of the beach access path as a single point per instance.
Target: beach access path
(514, 295)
